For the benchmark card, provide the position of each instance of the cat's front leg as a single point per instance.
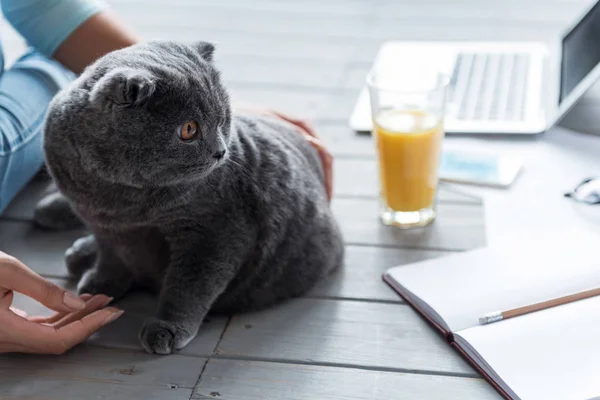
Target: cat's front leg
(107, 276)
(201, 268)
(80, 256)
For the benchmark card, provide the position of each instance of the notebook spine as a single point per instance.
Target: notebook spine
(481, 371)
(447, 334)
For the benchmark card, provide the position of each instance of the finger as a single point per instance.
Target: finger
(78, 331)
(94, 304)
(6, 298)
(30, 337)
(329, 177)
(58, 316)
(21, 335)
(48, 320)
(20, 313)
(307, 127)
(328, 169)
(327, 161)
(15, 276)
(304, 125)
(308, 131)
(12, 348)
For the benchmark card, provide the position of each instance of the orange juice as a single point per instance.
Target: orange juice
(409, 146)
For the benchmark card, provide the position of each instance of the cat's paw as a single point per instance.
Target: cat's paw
(80, 256)
(163, 337)
(94, 283)
(53, 211)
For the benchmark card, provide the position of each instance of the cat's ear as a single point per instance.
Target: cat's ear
(205, 49)
(125, 86)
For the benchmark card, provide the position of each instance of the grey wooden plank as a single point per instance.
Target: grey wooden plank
(360, 278)
(279, 72)
(93, 372)
(339, 107)
(488, 12)
(42, 251)
(264, 45)
(301, 8)
(245, 380)
(355, 75)
(248, 20)
(455, 193)
(337, 25)
(457, 227)
(359, 178)
(350, 11)
(467, 30)
(123, 333)
(41, 388)
(305, 104)
(342, 141)
(355, 177)
(341, 333)
(360, 48)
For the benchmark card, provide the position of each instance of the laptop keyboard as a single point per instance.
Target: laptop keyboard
(489, 87)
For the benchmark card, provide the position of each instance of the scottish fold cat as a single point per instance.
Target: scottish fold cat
(214, 211)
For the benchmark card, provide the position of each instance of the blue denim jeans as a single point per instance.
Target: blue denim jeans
(26, 89)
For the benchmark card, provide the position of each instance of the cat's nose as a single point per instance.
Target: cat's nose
(219, 154)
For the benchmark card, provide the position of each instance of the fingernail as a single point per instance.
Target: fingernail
(113, 317)
(73, 302)
(107, 302)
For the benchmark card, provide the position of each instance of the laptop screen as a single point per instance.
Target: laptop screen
(580, 52)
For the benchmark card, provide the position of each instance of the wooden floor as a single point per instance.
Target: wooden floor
(352, 337)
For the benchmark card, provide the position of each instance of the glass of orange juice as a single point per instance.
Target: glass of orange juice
(408, 129)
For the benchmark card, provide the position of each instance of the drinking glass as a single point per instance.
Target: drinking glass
(408, 129)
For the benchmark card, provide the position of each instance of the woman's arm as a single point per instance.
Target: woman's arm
(74, 32)
(94, 38)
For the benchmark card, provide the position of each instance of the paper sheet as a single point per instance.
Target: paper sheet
(463, 287)
(551, 355)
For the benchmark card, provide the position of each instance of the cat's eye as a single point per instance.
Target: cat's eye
(189, 130)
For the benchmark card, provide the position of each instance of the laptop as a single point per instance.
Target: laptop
(501, 87)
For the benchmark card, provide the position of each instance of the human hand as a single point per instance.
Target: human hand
(306, 129)
(76, 319)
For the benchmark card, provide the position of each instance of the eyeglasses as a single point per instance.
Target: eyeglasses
(588, 191)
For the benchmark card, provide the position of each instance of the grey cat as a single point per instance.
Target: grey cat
(216, 212)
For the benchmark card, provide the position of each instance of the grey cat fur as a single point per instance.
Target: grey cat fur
(207, 231)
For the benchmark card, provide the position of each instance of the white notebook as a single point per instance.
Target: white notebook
(552, 354)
